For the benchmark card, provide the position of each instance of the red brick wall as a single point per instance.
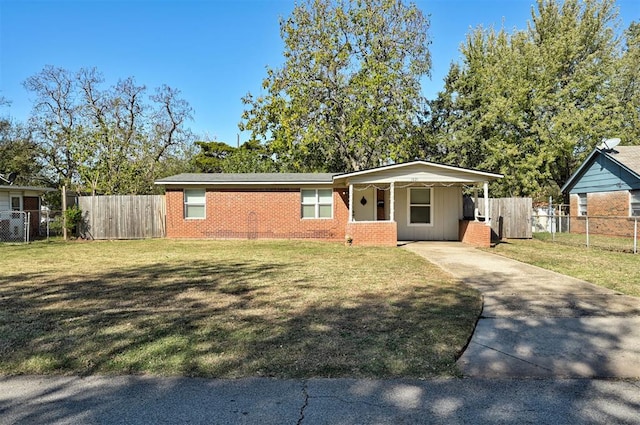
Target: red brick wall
(608, 214)
(253, 214)
(475, 233)
(373, 233)
(608, 203)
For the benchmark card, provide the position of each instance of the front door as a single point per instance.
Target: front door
(380, 216)
(16, 221)
(31, 205)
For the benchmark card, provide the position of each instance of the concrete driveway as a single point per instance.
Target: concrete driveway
(538, 323)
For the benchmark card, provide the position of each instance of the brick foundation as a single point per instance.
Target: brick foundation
(475, 233)
(373, 233)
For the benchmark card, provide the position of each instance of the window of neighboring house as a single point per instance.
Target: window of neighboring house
(316, 203)
(634, 203)
(582, 204)
(420, 211)
(194, 203)
(15, 203)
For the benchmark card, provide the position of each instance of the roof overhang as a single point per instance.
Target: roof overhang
(417, 172)
(247, 179)
(14, 188)
(410, 172)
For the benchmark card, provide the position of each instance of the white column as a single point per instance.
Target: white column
(476, 211)
(350, 203)
(486, 204)
(392, 202)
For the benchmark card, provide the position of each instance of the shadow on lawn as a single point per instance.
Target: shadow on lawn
(225, 319)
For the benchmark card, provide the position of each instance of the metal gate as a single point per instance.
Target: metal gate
(14, 226)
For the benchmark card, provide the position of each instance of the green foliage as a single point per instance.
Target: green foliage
(211, 156)
(348, 94)
(74, 219)
(532, 104)
(19, 153)
(218, 157)
(627, 85)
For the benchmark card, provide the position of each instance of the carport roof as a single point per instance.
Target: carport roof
(417, 171)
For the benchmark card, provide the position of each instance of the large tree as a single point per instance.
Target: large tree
(219, 157)
(348, 93)
(532, 103)
(113, 140)
(18, 152)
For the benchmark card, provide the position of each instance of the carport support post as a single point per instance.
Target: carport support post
(350, 203)
(486, 204)
(476, 210)
(392, 202)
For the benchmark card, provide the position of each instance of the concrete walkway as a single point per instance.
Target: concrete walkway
(540, 324)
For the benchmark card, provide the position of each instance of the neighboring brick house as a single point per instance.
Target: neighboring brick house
(412, 201)
(606, 189)
(15, 200)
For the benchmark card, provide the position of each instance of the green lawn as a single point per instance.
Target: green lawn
(619, 271)
(229, 309)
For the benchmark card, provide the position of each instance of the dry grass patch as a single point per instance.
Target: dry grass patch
(615, 270)
(229, 309)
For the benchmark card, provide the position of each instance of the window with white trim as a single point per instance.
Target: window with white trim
(316, 203)
(194, 203)
(634, 203)
(16, 203)
(582, 204)
(420, 211)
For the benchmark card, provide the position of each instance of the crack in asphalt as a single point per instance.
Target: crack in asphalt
(305, 403)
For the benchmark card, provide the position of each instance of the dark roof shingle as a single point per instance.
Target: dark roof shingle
(629, 156)
(239, 178)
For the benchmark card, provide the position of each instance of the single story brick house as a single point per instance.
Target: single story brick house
(380, 206)
(13, 201)
(606, 190)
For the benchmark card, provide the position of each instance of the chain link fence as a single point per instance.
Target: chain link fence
(51, 222)
(614, 233)
(14, 226)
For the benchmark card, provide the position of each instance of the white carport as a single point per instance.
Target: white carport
(424, 199)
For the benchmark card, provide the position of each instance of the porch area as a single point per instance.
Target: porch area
(418, 202)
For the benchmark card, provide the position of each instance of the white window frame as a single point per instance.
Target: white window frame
(203, 194)
(316, 203)
(582, 204)
(430, 205)
(634, 203)
(13, 207)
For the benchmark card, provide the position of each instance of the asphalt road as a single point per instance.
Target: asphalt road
(152, 400)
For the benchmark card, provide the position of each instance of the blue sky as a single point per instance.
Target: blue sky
(213, 51)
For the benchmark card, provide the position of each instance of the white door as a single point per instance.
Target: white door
(16, 221)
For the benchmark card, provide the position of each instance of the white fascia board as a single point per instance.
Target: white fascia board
(484, 174)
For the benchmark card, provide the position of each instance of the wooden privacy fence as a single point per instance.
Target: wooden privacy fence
(123, 216)
(510, 217)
